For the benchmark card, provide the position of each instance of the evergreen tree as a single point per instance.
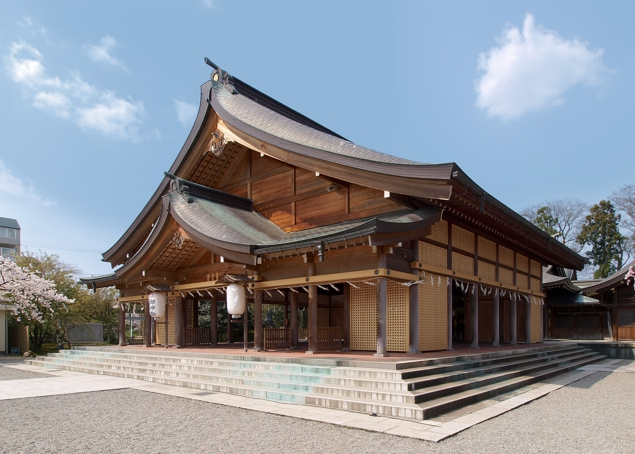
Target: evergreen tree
(601, 233)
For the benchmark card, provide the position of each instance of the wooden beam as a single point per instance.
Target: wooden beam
(475, 279)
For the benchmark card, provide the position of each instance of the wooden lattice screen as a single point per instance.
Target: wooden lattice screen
(160, 331)
(397, 317)
(522, 263)
(536, 269)
(535, 284)
(433, 316)
(364, 317)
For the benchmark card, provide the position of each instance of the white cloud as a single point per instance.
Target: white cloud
(531, 71)
(32, 26)
(185, 112)
(104, 53)
(16, 190)
(113, 117)
(209, 4)
(72, 99)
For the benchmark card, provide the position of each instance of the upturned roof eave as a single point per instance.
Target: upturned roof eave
(116, 255)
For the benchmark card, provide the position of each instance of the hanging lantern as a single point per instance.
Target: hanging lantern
(157, 302)
(235, 300)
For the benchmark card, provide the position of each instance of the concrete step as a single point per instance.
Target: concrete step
(202, 361)
(113, 363)
(445, 404)
(277, 394)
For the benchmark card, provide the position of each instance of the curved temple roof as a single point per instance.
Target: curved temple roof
(257, 121)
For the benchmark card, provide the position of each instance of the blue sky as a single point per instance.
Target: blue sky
(533, 100)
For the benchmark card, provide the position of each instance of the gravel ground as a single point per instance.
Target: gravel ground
(9, 373)
(594, 415)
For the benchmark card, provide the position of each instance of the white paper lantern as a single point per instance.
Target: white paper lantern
(157, 302)
(235, 300)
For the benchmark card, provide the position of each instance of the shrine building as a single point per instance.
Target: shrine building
(379, 253)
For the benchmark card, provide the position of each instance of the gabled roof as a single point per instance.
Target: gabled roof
(614, 280)
(248, 117)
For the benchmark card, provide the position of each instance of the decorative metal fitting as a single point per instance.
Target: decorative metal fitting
(177, 240)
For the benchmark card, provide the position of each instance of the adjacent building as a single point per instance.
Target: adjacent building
(9, 248)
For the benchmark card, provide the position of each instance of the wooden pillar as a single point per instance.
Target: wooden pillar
(154, 332)
(213, 319)
(346, 318)
(122, 325)
(450, 311)
(474, 315)
(246, 324)
(413, 325)
(258, 334)
(166, 323)
(312, 310)
(179, 322)
(513, 316)
(382, 296)
(528, 339)
(293, 302)
(230, 332)
(147, 325)
(496, 318)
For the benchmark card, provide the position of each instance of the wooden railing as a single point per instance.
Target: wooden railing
(329, 338)
(277, 338)
(198, 336)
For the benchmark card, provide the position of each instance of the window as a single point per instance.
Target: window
(8, 252)
(6, 232)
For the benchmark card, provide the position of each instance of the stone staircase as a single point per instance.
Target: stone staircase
(412, 389)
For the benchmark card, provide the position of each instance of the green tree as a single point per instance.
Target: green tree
(601, 233)
(97, 307)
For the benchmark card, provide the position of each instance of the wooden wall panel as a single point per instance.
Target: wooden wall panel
(397, 317)
(316, 209)
(522, 280)
(462, 239)
(323, 317)
(240, 173)
(433, 255)
(439, 232)
(462, 263)
(506, 256)
(240, 191)
(536, 269)
(272, 188)
(263, 164)
(486, 270)
(281, 215)
(363, 318)
(306, 181)
(506, 276)
(535, 284)
(522, 263)
(367, 200)
(433, 317)
(486, 248)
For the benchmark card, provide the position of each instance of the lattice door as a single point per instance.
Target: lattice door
(397, 317)
(364, 318)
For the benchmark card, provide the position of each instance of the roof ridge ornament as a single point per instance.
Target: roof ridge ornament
(220, 76)
(217, 143)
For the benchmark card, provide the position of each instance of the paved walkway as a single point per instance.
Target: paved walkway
(69, 382)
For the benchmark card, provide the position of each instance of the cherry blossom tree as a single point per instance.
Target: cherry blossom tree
(34, 298)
